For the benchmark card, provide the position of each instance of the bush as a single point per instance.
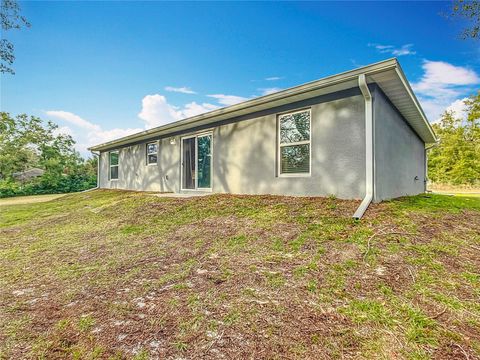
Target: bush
(48, 185)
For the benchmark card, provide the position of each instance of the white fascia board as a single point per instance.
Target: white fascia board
(405, 82)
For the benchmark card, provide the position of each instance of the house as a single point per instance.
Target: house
(361, 134)
(28, 174)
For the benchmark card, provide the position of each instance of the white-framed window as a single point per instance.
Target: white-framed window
(152, 153)
(113, 164)
(294, 143)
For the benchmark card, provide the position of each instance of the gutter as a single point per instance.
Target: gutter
(249, 105)
(369, 155)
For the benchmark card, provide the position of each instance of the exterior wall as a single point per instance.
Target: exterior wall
(399, 153)
(135, 174)
(245, 155)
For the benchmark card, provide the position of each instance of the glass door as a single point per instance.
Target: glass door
(188, 163)
(197, 162)
(204, 146)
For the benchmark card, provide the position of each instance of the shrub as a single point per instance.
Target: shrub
(48, 185)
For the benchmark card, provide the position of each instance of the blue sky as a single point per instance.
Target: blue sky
(105, 69)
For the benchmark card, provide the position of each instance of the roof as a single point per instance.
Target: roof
(387, 74)
(28, 174)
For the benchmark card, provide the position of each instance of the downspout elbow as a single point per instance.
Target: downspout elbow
(369, 144)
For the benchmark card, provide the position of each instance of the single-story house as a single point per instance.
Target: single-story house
(361, 134)
(28, 174)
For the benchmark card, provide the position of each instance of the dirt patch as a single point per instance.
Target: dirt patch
(239, 277)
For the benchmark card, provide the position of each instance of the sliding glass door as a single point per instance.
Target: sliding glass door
(188, 163)
(204, 146)
(197, 162)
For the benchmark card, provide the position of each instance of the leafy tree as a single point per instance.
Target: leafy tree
(11, 19)
(469, 10)
(26, 142)
(456, 159)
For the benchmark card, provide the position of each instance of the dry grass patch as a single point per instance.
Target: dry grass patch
(112, 274)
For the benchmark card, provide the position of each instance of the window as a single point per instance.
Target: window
(113, 162)
(152, 152)
(294, 143)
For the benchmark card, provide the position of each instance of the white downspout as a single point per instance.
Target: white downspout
(369, 159)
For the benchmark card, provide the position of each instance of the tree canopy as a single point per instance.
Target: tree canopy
(10, 18)
(456, 159)
(27, 142)
(470, 11)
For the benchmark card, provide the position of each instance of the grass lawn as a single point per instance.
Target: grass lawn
(111, 274)
(17, 200)
(455, 190)
(469, 194)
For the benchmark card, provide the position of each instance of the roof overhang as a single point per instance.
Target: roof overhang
(387, 74)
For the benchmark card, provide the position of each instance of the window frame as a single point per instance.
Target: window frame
(147, 153)
(303, 142)
(110, 165)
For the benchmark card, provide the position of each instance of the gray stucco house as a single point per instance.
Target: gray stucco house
(360, 134)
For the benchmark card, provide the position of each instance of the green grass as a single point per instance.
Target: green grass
(113, 274)
(17, 200)
(437, 202)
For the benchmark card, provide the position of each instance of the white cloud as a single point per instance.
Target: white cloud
(228, 99)
(112, 134)
(404, 50)
(395, 51)
(92, 134)
(156, 110)
(193, 109)
(183, 89)
(441, 78)
(72, 119)
(443, 85)
(458, 108)
(267, 91)
(273, 78)
(64, 130)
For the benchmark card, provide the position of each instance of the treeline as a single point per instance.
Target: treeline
(456, 158)
(37, 159)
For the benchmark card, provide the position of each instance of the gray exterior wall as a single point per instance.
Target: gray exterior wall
(245, 154)
(135, 174)
(399, 153)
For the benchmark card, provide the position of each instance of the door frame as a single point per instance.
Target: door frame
(196, 136)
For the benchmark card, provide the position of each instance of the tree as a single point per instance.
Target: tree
(11, 19)
(16, 150)
(456, 159)
(27, 142)
(469, 10)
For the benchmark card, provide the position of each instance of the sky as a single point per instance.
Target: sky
(102, 70)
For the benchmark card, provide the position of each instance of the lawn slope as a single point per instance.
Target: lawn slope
(112, 274)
